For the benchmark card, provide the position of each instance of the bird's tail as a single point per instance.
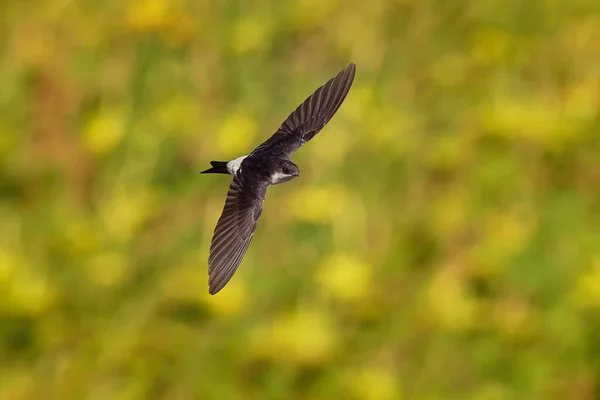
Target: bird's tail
(218, 167)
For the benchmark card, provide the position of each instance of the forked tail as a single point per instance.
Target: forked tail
(218, 167)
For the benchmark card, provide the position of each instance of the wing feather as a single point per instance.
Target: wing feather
(234, 230)
(310, 116)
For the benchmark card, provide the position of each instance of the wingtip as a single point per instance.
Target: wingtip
(212, 288)
(349, 72)
(351, 68)
(215, 283)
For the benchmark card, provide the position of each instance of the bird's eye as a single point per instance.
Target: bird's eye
(285, 170)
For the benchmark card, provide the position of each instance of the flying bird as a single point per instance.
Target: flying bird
(269, 164)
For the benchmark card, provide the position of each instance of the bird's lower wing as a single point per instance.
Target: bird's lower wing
(234, 230)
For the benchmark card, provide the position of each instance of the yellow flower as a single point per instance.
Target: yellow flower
(231, 300)
(345, 277)
(124, 214)
(8, 265)
(103, 132)
(448, 303)
(504, 235)
(357, 106)
(374, 383)
(511, 229)
(179, 114)
(318, 204)
(587, 291)
(168, 18)
(237, 134)
(306, 337)
(30, 293)
(540, 119)
(306, 14)
(582, 101)
(148, 15)
(250, 34)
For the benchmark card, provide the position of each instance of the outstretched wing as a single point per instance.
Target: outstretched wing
(310, 116)
(235, 229)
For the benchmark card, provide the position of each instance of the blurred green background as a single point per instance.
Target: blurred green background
(443, 241)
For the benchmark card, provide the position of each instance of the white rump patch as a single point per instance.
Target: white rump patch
(234, 165)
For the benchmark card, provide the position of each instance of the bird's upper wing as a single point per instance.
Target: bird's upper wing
(310, 116)
(235, 229)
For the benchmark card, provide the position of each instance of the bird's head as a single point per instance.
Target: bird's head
(284, 171)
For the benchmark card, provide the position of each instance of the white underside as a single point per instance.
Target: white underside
(277, 177)
(234, 165)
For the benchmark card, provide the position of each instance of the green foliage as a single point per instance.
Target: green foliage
(443, 241)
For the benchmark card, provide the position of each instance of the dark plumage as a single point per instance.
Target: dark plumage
(267, 165)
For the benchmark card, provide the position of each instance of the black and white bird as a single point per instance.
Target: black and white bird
(269, 164)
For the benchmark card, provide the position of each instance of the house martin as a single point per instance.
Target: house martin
(269, 164)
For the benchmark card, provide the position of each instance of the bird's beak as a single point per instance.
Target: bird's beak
(296, 173)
